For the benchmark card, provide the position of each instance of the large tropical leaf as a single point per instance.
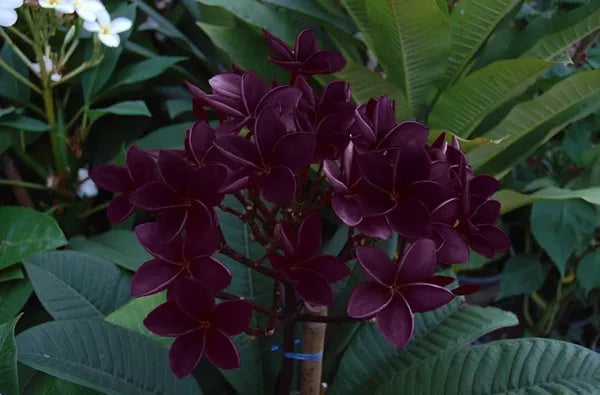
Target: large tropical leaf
(25, 232)
(369, 360)
(411, 40)
(366, 84)
(358, 11)
(75, 285)
(13, 296)
(530, 124)
(101, 356)
(511, 200)
(463, 106)
(523, 366)
(9, 384)
(557, 43)
(315, 10)
(471, 22)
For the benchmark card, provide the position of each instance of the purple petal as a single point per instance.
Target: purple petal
(279, 186)
(309, 236)
(373, 201)
(232, 316)
(149, 238)
(396, 322)
(481, 246)
(347, 209)
(168, 320)
(410, 219)
(405, 131)
(119, 209)
(332, 268)
(206, 182)
(418, 262)
(239, 150)
(198, 140)
(174, 171)
(323, 62)
(282, 97)
(212, 273)
(221, 350)
(170, 223)
(253, 89)
(306, 44)
(201, 246)
(446, 212)
(193, 298)
(495, 236)
(312, 287)
(412, 164)
(226, 106)
(111, 177)
(377, 227)
(154, 196)
(376, 170)
(334, 176)
(278, 45)
(383, 115)
(368, 299)
(141, 165)
(429, 193)
(226, 84)
(453, 248)
(487, 213)
(153, 276)
(483, 185)
(294, 151)
(200, 220)
(186, 352)
(376, 264)
(423, 297)
(268, 130)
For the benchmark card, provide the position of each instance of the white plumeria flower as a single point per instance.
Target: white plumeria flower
(8, 15)
(48, 67)
(108, 31)
(87, 188)
(88, 9)
(62, 6)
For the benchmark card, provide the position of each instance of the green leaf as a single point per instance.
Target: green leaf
(370, 360)
(557, 43)
(168, 137)
(131, 316)
(522, 366)
(530, 124)
(246, 47)
(101, 356)
(522, 274)
(22, 122)
(562, 227)
(13, 296)
(146, 69)
(412, 42)
(12, 88)
(260, 15)
(9, 382)
(366, 84)
(315, 10)
(96, 78)
(118, 246)
(176, 107)
(358, 11)
(13, 272)
(576, 141)
(588, 271)
(71, 284)
(511, 200)
(471, 23)
(132, 108)
(43, 384)
(25, 232)
(464, 105)
(465, 145)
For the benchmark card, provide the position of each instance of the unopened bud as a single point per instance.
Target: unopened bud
(69, 36)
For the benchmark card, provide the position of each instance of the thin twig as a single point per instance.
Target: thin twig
(236, 256)
(18, 186)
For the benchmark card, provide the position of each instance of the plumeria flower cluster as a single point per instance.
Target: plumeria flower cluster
(287, 152)
(8, 13)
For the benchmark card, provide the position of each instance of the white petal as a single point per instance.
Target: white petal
(110, 40)
(103, 17)
(7, 17)
(11, 4)
(89, 10)
(87, 189)
(91, 26)
(65, 7)
(48, 63)
(120, 25)
(55, 77)
(45, 4)
(36, 68)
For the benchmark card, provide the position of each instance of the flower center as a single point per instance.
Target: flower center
(104, 29)
(54, 2)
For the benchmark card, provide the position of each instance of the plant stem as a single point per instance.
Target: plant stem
(22, 184)
(18, 186)
(22, 36)
(54, 135)
(313, 342)
(93, 210)
(16, 49)
(19, 77)
(289, 334)
(236, 256)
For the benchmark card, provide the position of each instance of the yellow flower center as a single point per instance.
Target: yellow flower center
(105, 29)
(54, 2)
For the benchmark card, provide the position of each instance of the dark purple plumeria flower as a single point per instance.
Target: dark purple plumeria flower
(274, 158)
(189, 258)
(450, 246)
(306, 58)
(199, 144)
(375, 127)
(183, 197)
(480, 214)
(450, 165)
(240, 98)
(140, 169)
(396, 291)
(200, 327)
(311, 275)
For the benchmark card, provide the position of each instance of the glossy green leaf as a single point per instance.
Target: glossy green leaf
(13, 296)
(367, 26)
(44, 384)
(13, 272)
(315, 10)
(168, 137)
(412, 42)
(131, 316)
(146, 69)
(562, 227)
(511, 200)
(588, 271)
(521, 366)
(22, 122)
(465, 144)
(522, 274)
(576, 141)
(9, 383)
(72, 284)
(366, 84)
(530, 124)
(464, 105)
(176, 107)
(130, 108)
(25, 232)
(118, 246)
(471, 23)
(557, 43)
(101, 356)
(370, 360)
(12, 88)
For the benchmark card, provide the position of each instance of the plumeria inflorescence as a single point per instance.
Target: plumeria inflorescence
(287, 152)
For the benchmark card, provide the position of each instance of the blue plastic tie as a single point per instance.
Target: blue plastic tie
(298, 355)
